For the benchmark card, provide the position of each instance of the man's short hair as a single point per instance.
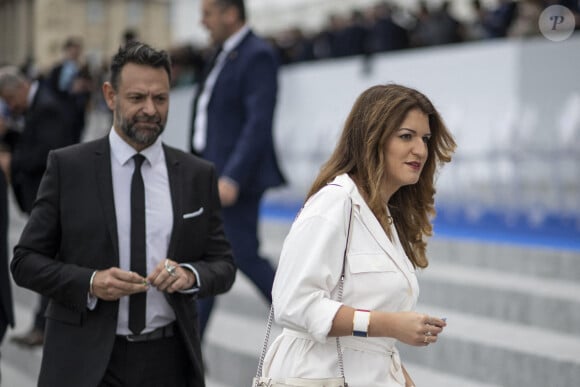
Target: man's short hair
(10, 78)
(72, 41)
(138, 53)
(238, 4)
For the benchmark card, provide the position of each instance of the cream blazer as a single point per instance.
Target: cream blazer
(378, 276)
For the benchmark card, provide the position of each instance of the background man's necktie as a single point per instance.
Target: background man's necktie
(137, 302)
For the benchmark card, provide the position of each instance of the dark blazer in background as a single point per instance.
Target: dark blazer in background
(46, 127)
(240, 114)
(6, 308)
(72, 231)
(240, 143)
(76, 102)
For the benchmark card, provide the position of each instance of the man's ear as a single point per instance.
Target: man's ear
(110, 95)
(232, 15)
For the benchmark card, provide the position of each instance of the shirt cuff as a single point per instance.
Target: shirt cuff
(195, 287)
(91, 300)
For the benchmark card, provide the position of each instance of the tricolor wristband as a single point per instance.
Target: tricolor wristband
(360, 323)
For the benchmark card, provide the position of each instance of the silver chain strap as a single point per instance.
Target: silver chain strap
(271, 315)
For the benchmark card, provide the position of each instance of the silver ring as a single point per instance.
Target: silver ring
(170, 268)
(428, 333)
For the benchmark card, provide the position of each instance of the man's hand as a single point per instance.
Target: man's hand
(228, 191)
(169, 277)
(5, 160)
(3, 126)
(114, 283)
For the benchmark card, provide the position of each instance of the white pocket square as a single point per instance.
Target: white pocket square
(193, 214)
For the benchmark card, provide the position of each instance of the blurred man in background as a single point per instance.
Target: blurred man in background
(232, 127)
(46, 126)
(6, 308)
(70, 80)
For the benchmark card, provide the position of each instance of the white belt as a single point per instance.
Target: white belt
(362, 344)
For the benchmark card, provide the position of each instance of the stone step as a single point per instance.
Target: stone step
(12, 376)
(540, 302)
(496, 288)
(503, 353)
(473, 284)
(517, 259)
(23, 363)
(473, 352)
(212, 383)
(476, 348)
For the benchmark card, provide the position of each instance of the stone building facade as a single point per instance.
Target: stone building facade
(36, 29)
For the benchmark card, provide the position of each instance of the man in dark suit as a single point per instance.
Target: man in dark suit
(125, 234)
(6, 310)
(232, 127)
(70, 80)
(45, 126)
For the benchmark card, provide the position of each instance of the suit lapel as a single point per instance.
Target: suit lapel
(105, 192)
(235, 53)
(175, 187)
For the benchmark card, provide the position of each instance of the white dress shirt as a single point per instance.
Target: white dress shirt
(200, 134)
(158, 223)
(32, 92)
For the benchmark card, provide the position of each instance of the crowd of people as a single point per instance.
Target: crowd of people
(385, 27)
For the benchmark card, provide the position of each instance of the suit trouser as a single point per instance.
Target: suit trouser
(156, 363)
(241, 227)
(39, 319)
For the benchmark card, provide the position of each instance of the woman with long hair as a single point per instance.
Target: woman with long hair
(367, 215)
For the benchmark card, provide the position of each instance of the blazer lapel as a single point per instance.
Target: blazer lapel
(235, 52)
(175, 186)
(105, 192)
(371, 223)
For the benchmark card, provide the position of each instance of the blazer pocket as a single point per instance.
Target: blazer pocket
(193, 214)
(63, 314)
(371, 263)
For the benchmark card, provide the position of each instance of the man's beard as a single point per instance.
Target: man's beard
(143, 137)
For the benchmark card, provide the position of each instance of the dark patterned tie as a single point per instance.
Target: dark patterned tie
(137, 302)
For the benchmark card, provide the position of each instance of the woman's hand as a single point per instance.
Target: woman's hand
(408, 327)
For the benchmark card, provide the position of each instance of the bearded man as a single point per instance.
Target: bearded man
(125, 235)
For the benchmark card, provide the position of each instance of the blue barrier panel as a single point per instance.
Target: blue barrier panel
(555, 231)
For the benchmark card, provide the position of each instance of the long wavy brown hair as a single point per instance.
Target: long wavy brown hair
(375, 116)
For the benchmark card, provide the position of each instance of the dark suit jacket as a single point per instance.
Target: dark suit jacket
(6, 310)
(46, 127)
(240, 115)
(76, 103)
(72, 232)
